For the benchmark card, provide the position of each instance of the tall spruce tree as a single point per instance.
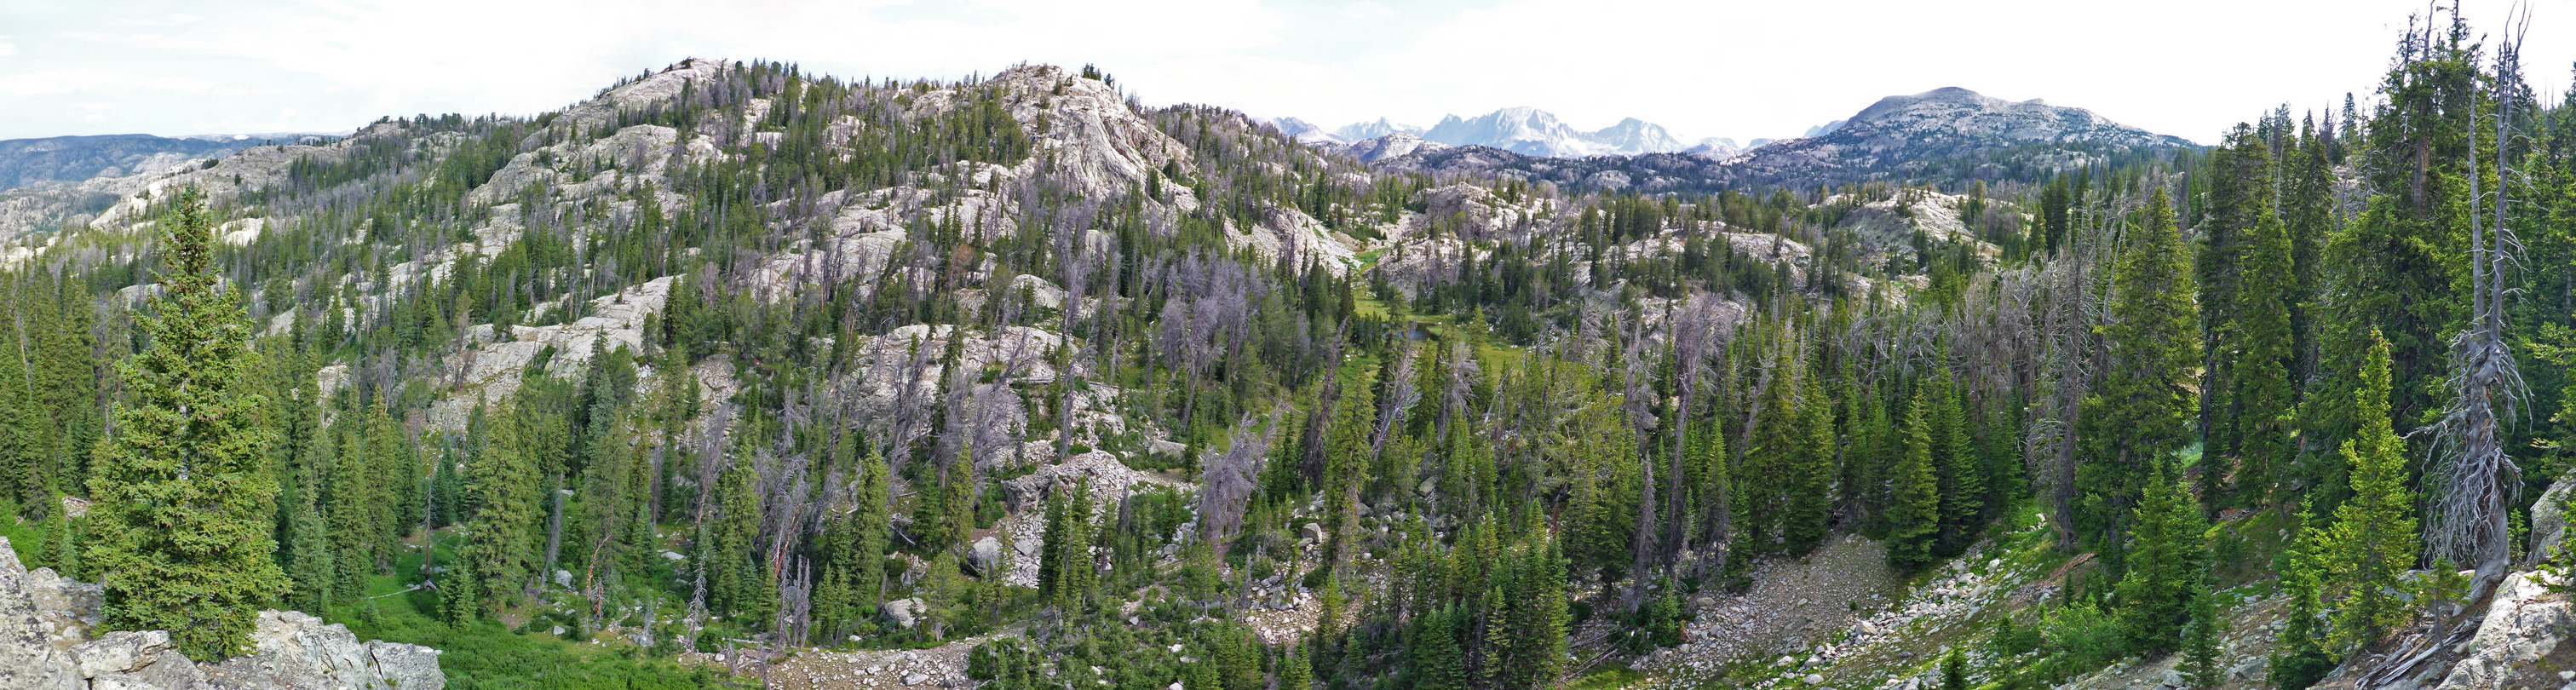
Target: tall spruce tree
(184, 493)
(1810, 510)
(1914, 514)
(1960, 474)
(2142, 410)
(2266, 407)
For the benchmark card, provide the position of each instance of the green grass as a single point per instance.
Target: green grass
(488, 656)
(1608, 679)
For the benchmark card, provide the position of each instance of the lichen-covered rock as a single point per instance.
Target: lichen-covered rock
(986, 557)
(27, 660)
(2525, 622)
(292, 650)
(295, 650)
(126, 659)
(68, 609)
(901, 611)
(2549, 518)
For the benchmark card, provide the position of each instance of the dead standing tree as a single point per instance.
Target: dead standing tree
(2478, 482)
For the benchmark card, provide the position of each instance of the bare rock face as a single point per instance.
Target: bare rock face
(45, 644)
(2525, 622)
(2549, 518)
(125, 659)
(68, 609)
(26, 658)
(299, 651)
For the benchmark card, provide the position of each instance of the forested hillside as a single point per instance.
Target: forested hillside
(736, 374)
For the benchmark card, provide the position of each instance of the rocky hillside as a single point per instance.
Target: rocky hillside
(25, 162)
(1945, 136)
(1948, 132)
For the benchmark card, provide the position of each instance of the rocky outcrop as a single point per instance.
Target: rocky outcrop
(2526, 623)
(28, 659)
(2549, 518)
(299, 651)
(45, 644)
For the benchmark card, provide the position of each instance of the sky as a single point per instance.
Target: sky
(1709, 68)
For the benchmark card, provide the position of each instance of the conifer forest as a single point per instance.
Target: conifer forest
(735, 374)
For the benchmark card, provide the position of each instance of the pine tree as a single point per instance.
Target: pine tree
(184, 493)
(1707, 479)
(2143, 408)
(1914, 516)
(1954, 670)
(2168, 565)
(1810, 511)
(501, 537)
(870, 531)
(2299, 658)
(1773, 456)
(957, 503)
(355, 504)
(2201, 641)
(1961, 475)
(2373, 541)
(2266, 406)
(1294, 671)
(735, 584)
(1437, 662)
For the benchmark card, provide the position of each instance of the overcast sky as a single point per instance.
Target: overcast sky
(1731, 68)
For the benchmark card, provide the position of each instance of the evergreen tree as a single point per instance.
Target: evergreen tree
(1960, 473)
(2201, 641)
(1438, 664)
(1914, 516)
(957, 503)
(1810, 510)
(2168, 566)
(501, 537)
(1294, 671)
(2299, 658)
(1954, 670)
(735, 581)
(870, 532)
(2373, 541)
(2143, 408)
(184, 493)
(2266, 406)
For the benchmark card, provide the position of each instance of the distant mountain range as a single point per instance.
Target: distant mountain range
(1945, 134)
(1522, 130)
(26, 162)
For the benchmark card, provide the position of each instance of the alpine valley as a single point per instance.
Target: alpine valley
(738, 375)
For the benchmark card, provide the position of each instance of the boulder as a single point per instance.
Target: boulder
(136, 660)
(68, 609)
(2524, 622)
(902, 612)
(2549, 517)
(1314, 532)
(296, 650)
(986, 558)
(27, 660)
